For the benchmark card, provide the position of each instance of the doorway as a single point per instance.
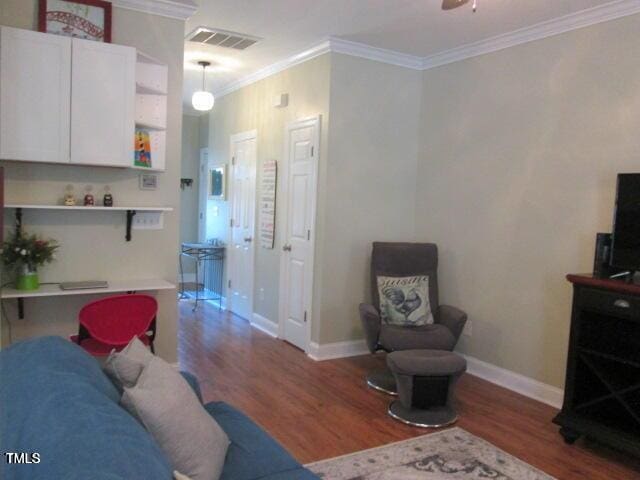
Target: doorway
(241, 248)
(299, 216)
(203, 190)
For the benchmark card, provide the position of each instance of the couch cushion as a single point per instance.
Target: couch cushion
(430, 337)
(56, 401)
(253, 453)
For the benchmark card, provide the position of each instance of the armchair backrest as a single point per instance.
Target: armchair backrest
(401, 259)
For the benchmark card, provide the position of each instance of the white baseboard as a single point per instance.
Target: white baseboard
(500, 376)
(330, 351)
(516, 382)
(264, 325)
(220, 304)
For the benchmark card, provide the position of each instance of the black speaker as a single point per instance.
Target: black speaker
(602, 257)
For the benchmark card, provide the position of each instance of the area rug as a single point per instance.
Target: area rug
(452, 454)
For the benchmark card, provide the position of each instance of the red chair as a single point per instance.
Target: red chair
(112, 322)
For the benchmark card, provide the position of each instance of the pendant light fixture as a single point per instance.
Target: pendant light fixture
(203, 100)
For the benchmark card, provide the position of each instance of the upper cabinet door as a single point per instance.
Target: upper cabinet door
(102, 103)
(35, 89)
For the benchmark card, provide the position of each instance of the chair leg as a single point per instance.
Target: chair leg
(383, 381)
(153, 350)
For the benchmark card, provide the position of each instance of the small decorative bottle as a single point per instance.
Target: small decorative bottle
(88, 198)
(69, 197)
(107, 200)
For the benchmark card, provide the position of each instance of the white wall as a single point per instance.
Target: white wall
(251, 108)
(190, 166)
(370, 188)
(517, 173)
(92, 245)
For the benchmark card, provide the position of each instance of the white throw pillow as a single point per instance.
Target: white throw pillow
(405, 300)
(172, 413)
(124, 367)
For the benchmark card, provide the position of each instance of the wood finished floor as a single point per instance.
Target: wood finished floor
(319, 410)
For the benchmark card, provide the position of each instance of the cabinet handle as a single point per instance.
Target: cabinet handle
(621, 304)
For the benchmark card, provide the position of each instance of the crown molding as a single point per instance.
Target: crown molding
(556, 26)
(180, 10)
(306, 55)
(376, 54)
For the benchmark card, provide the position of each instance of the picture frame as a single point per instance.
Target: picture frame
(217, 183)
(85, 19)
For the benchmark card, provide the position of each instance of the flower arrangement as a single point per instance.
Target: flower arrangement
(26, 253)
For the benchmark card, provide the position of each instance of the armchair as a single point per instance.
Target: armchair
(399, 260)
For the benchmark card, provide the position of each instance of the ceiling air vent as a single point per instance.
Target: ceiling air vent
(221, 38)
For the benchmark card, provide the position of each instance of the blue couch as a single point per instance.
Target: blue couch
(56, 401)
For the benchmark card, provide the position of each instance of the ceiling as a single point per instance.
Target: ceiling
(288, 27)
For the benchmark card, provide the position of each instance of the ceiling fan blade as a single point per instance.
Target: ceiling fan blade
(451, 4)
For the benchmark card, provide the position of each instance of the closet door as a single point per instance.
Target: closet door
(35, 90)
(102, 103)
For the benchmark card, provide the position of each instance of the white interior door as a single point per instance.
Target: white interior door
(103, 79)
(203, 194)
(242, 223)
(35, 96)
(300, 186)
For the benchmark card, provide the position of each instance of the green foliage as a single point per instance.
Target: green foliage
(28, 250)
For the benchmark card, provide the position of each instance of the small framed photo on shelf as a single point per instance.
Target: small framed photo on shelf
(142, 149)
(86, 19)
(217, 180)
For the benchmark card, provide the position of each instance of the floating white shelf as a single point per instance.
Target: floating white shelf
(129, 210)
(116, 286)
(148, 169)
(148, 90)
(94, 208)
(150, 126)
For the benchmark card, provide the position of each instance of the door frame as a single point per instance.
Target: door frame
(203, 194)
(239, 137)
(283, 211)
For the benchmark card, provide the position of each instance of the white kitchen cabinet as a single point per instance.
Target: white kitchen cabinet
(35, 88)
(103, 95)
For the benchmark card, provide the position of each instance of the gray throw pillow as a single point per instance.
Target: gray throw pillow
(171, 412)
(404, 301)
(124, 367)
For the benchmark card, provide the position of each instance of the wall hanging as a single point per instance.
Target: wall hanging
(86, 19)
(268, 184)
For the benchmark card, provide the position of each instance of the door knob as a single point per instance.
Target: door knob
(286, 248)
(248, 239)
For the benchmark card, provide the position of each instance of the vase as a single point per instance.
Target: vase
(27, 278)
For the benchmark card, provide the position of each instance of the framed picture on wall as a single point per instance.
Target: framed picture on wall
(86, 19)
(217, 180)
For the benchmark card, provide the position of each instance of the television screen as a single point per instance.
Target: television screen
(625, 252)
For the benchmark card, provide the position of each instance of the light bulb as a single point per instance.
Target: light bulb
(202, 101)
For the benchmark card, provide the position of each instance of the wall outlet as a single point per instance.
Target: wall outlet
(467, 331)
(148, 221)
(148, 181)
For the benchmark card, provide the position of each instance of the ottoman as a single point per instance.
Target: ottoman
(426, 381)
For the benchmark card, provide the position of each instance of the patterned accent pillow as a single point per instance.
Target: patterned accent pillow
(404, 301)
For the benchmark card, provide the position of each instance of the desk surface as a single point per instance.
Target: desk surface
(116, 286)
(201, 246)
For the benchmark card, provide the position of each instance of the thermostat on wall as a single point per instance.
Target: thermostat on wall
(148, 181)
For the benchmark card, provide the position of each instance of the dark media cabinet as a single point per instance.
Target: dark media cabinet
(602, 390)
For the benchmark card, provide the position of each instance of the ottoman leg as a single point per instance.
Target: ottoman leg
(424, 401)
(383, 381)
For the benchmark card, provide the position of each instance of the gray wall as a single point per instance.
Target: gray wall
(92, 245)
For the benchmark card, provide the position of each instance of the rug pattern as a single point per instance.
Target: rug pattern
(452, 454)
